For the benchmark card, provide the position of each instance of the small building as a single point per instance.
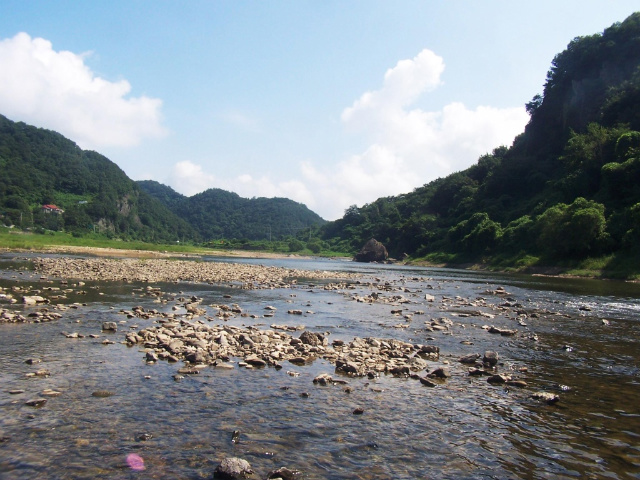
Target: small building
(52, 209)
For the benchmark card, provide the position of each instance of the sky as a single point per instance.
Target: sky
(328, 103)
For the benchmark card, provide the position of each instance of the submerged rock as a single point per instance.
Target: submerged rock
(471, 358)
(284, 473)
(548, 397)
(109, 326)
(36, 402)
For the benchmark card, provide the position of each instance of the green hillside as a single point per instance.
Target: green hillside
(217, 214)
(40, 167)
(567, 189)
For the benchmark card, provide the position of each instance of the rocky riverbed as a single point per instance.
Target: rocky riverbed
(191, 337)
(170, 270)
(370, 369)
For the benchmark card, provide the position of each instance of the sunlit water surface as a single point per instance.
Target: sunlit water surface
(465, 428)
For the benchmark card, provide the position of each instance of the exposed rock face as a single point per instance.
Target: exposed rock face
(373, 251)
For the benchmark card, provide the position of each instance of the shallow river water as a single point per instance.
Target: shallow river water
(579, 339)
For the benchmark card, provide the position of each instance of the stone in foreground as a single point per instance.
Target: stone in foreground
(233, 468)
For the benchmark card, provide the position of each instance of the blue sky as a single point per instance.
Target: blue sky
(328, 103)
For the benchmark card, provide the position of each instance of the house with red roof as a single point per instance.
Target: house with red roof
(52, 209)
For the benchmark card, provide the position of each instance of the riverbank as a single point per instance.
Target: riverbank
(620, 266)
(141, 253)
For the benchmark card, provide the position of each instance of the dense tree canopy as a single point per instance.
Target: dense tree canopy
(40, 167)
(218, 214)
(569, 186)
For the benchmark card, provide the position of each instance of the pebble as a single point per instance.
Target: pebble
(36, 402)
(102, 393)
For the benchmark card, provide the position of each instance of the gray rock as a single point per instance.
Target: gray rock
(36, 402)
(429, 349)
(33, 299)
(471, 358)
(427, 383)
(313, 339)
(498, 379)
(196, 357)
(152, 356)
(517, 383)
(372, 251)
(440, 372)
(323, 379)
(490, 358)
(109, 326)
(284, 473)
(233, 468)
(549, 398)
(256, 361)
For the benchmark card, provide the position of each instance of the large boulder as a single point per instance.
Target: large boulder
(373, 251)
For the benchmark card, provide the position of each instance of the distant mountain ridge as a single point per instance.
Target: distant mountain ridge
(90, 193)
(41, 167)
(217, 213)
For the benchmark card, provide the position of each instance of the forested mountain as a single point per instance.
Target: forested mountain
(90, 193)
(568, 187)
(217, 213)
(48, 182)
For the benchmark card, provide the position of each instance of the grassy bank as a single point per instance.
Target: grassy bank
(620, 266)
(18, 240)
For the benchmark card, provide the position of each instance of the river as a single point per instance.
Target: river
(579, 339)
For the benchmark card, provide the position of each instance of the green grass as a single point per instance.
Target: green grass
(621, 265)
(17, 240)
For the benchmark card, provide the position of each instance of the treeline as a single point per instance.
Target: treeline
(41, 167)
(568, 187)
(218, 214)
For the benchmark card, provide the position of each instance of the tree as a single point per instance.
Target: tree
(534, 104)
(572, 230)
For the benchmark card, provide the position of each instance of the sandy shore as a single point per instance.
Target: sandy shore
(131, 253)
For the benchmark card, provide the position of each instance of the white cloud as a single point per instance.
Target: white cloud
(188, 178)
(408, 147)
(57, 90)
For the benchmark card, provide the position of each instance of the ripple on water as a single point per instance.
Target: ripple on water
(463, 429)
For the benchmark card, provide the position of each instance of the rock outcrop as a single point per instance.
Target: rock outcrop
(373, 251)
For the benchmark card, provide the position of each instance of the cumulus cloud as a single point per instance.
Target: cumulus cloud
(57, 90)
(407, 146)
(410, 146)
(189, 178)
